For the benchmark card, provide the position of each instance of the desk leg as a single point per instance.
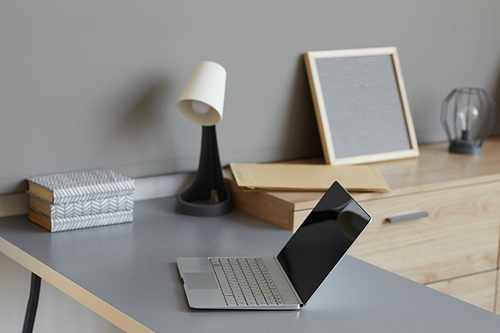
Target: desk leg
(29, 320)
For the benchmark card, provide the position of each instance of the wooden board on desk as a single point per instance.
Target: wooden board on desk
(285, 209)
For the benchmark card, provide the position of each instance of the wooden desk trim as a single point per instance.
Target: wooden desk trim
(70, 288)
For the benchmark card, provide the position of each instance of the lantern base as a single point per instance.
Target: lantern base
(465, 147)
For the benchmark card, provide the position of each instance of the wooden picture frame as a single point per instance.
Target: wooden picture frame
(361, 105)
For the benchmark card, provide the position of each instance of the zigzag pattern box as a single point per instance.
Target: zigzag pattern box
(91, 207)
(80, 199)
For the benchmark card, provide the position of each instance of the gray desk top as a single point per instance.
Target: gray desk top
(132, 268)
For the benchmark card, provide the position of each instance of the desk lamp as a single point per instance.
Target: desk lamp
(468, 116)
(202, 103)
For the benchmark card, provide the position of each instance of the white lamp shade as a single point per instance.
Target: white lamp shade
(207, 85)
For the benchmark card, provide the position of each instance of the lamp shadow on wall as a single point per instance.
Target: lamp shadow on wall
(139, 136)
(145, 110)
(300, 129)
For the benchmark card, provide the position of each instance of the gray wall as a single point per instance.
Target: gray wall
(92, 84)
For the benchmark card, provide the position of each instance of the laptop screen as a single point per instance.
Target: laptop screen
(322, 240)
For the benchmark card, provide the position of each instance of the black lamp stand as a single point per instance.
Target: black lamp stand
(208, 195)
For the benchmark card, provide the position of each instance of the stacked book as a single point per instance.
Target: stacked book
(80, 200)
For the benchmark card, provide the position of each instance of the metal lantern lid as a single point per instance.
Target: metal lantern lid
(468, 116)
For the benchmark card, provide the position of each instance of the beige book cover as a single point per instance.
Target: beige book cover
(308, 177)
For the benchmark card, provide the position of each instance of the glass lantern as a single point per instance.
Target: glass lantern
(468, 116)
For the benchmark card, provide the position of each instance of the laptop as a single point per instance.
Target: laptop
(286, 281)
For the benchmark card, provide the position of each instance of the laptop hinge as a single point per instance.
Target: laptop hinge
(289, 283)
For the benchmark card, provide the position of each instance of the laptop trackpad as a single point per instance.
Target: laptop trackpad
(200, 280)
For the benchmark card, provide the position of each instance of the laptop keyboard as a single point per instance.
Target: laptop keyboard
(245, 281)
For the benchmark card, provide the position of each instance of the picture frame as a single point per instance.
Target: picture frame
(361, 105)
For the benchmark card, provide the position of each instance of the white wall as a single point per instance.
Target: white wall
(93, 84)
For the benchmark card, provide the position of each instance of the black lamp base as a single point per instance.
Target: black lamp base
(465, 147)
(208, 195)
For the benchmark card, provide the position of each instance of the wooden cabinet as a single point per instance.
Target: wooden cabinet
(459, 237)
(478, 289)
(455, 249)
(497, 294)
